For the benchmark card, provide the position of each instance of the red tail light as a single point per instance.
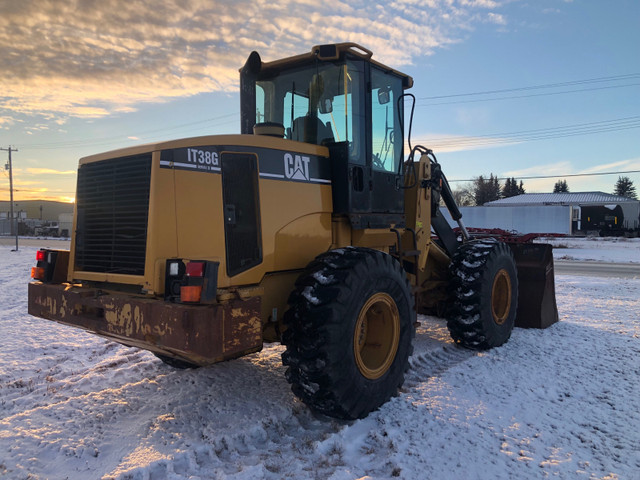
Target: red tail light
(195, 269)
(40, 255)
(193, 281)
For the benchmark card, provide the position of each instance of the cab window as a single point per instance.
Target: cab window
(319, 104)
(386, 112)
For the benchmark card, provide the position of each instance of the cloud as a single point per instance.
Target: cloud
(623, 165)
(49, 171)
(496, 18)
(90, 58)
(6, 122)
(556, 168)
(576, 183)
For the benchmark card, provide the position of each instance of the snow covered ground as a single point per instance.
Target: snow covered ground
(622, 250)
(558, 403)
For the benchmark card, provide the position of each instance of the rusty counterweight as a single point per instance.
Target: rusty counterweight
(199, 334)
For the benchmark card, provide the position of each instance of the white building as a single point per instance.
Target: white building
(566, 213)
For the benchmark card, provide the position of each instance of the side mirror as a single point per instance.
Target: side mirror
(325, 106)
(383, 95)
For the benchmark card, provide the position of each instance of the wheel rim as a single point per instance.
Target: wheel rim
(376, 336)
(501, 297)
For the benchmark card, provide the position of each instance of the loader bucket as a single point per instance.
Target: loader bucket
(536, 286)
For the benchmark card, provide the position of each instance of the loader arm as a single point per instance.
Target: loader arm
(426, 185)
(534, 262)
(430, 267)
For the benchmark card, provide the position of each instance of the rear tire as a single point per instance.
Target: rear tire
(485, 289)
(349, 332)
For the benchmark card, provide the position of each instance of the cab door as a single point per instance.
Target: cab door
(386, 142)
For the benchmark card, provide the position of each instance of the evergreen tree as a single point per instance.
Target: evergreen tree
(496, 189)
(511, 188)
(507, 190)
(625, 188)
(486, 189)
(561, 187)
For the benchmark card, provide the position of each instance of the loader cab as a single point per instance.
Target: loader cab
(338, 97)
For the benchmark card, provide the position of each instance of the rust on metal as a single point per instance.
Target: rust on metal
(200, 334)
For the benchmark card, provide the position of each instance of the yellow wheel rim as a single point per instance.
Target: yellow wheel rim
(376, 336)
(501, 297)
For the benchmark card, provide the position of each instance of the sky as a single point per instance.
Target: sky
(513, 88)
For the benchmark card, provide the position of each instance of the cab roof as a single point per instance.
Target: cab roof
(329, 52)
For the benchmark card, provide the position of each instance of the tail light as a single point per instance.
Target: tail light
(190, 293)
(51, 266)
(195, 269)
(193, 281)
(37, 273)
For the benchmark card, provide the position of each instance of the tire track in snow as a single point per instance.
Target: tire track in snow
(434, 352)
(435, 362)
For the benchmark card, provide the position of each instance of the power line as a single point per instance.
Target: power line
(613, 125)
(533, 177)
(529, 95)
(477, 140)
(630, 76)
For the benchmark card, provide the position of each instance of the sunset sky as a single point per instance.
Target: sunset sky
(514, 88)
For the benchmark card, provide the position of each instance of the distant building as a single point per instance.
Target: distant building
(567, 213)
(36, 217)
(65, 224)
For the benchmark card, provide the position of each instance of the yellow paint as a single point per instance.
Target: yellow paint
(50, 305)
(63, 308)
(110, 316)
(124, 319)
(137, 318)
(186, 216)
(162, 330)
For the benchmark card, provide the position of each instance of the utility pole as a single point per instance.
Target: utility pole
(11, 195)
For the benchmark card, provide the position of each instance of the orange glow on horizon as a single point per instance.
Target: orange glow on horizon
(35, 197)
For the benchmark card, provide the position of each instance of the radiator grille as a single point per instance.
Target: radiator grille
(112, 213)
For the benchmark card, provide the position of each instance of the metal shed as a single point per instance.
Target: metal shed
(591, 211)
(567, 213)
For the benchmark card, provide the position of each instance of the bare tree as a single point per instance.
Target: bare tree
(463, 195)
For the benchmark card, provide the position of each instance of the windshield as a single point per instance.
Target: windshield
(319, 103)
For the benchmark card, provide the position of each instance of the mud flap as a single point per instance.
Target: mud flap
(536, 285)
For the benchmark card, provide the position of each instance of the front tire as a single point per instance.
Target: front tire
(485, 289)
(349, 332)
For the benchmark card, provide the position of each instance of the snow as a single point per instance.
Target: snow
(554, 403)
(608, 249)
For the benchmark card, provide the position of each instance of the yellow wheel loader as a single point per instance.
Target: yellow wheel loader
(312, 227)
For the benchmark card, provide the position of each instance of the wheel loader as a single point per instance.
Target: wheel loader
(312, 227)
